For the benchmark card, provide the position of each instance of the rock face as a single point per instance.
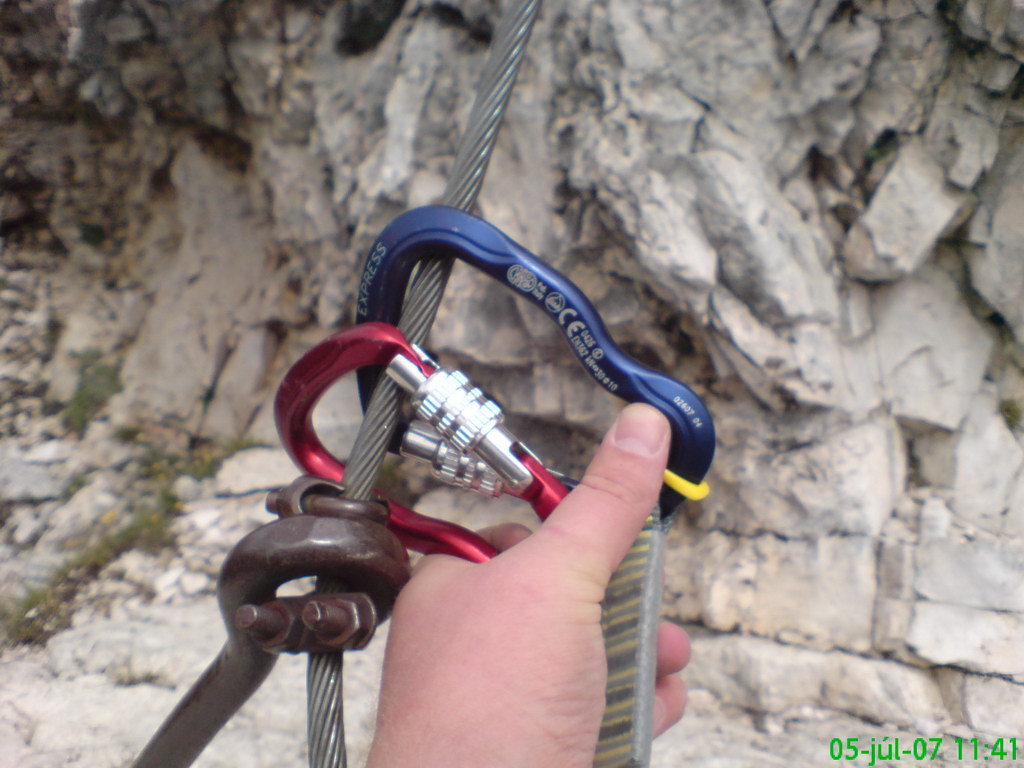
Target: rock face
(813, 212)
(927, 343)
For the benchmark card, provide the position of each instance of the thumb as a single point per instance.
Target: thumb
(592, 529)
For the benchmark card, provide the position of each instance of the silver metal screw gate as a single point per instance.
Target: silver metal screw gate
(448, 465)
(463, 417)
(460, 413)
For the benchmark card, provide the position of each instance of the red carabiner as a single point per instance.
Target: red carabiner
(377, 344)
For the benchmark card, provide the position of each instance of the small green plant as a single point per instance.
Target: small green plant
(390, 475)
(78, 482)
(200, 462)
(236, 445)
(127, 678)
(165, 468)
(46, 610)
(97, 381)
(1013, 413)
(92, 234)
(166, 502)
(365, 25)
(127, 435)
(54, 328)
(160, 466)
(885, 145)
(33, 619)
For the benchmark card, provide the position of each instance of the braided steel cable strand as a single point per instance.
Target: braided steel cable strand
(497, 81)
(468, 171)
(471, 162)
(325, 726)
(325, 706)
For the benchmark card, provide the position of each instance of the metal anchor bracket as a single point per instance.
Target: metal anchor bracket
(321, 623)
(319, 534)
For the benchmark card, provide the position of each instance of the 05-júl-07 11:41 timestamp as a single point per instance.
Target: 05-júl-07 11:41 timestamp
(920, 748)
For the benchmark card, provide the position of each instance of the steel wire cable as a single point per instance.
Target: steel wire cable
(325, 728)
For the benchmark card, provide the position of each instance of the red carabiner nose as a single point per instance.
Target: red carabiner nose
(306, 382)
(377, 344)
(314, 373)
(546, 492)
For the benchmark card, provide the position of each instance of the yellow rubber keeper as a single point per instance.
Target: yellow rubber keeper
(686, 489)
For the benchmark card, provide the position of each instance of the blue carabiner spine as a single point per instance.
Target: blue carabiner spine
(434, 230)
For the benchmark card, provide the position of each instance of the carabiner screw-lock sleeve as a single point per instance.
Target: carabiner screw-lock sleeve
(448, 464)
(464, 417)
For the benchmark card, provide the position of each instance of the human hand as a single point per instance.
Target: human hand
(502, 663)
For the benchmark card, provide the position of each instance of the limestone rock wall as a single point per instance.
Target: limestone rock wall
(811, 211)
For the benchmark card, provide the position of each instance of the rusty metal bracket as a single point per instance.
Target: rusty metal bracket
(321, 623)
(309, 495)
(318, 534)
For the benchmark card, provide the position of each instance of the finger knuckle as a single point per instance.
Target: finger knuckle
(613, 488)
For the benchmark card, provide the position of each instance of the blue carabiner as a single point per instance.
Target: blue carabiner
(434, 230)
